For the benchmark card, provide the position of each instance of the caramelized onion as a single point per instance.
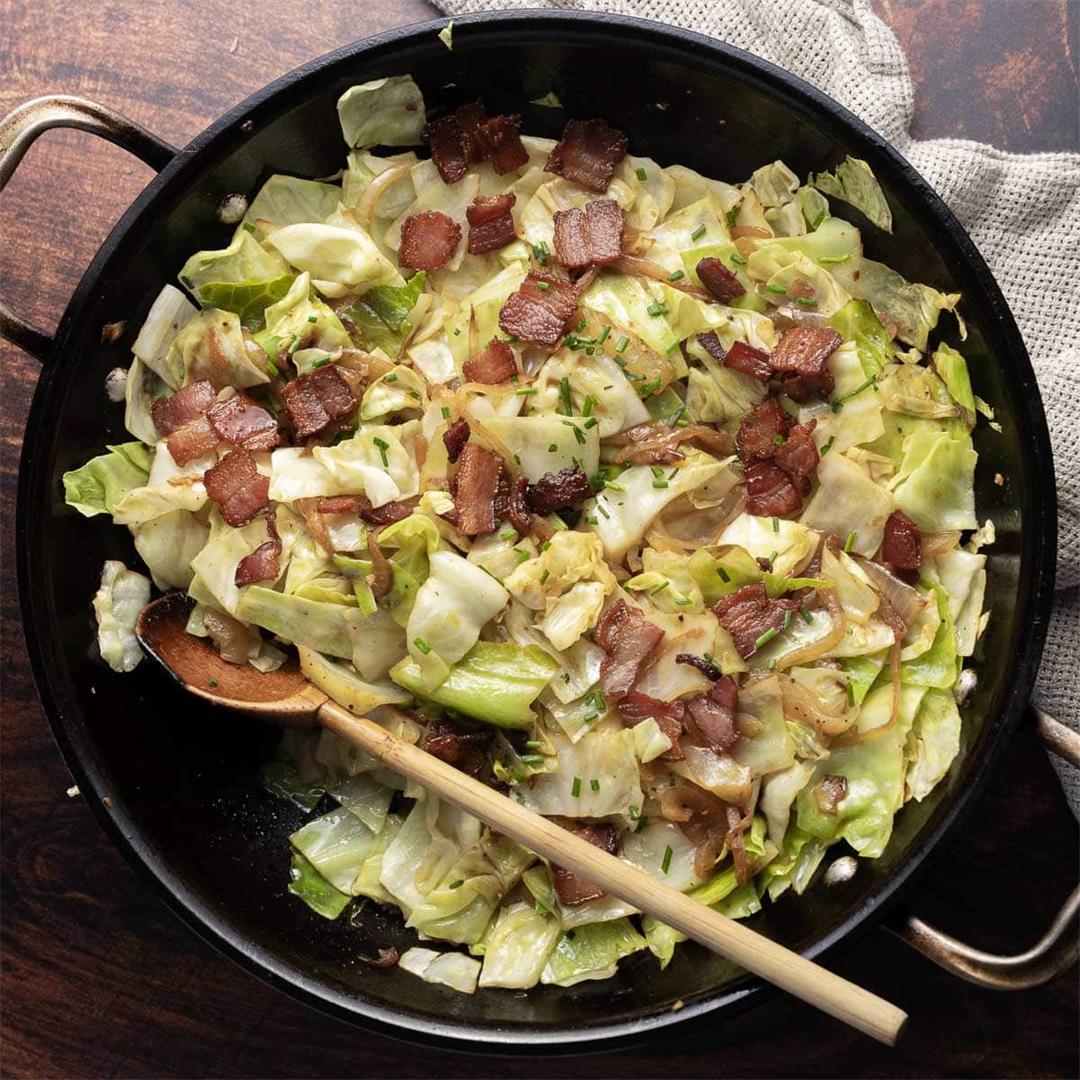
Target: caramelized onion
(636, 266)
(231, 637)
(382, 576)
(374, 191)
(854, 737)
(939, 543)
(816, 649)
(803, 704)
(905, 601)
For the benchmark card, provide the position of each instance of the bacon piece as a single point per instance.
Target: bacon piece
(500, 142)
(238, 488)
(510, 504)
(902, 545)
(656, 442)
(760, 429)
(264, 563)
(316, 400)
(194, 440)
(706, 667)
(798, 455)
(540, 309)
(386, 514)
(711, 344)
(750, 361)
(801, 358)
(589, 237)
(587, 153)
(572, 889)
(240, 421)
(719, 280)
(491, 225)
(492, 366)
(187, 404)
(712, 715)
(454, 439)
(448, 150)
(635, 707)
(830, 792)
(629, 640)
(477, 482)
(467, 748)
(560, 490)
(770, 492)
(428, 240)
(749, 613)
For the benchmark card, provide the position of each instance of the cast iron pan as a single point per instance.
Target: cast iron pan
(183, 799)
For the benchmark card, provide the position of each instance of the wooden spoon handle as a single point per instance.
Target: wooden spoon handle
(782, 967)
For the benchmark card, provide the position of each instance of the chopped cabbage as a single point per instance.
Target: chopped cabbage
(103, 481)
(117, 603)
(383, 112)
(854, 183)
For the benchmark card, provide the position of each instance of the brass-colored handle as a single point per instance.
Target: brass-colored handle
(18, 131)
(1057, 950)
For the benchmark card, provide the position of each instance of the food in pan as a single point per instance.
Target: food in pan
(645, 497)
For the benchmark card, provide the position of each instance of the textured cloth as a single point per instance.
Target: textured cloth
(1022, 211)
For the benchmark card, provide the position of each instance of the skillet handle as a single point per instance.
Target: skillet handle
(1057, 950)
(18, 131)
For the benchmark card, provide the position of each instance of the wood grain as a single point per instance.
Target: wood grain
(98, 978)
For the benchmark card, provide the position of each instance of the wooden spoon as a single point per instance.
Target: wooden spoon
(286, 696)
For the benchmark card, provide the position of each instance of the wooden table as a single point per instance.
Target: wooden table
(99, 979)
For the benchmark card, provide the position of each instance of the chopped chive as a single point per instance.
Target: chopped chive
(211, 682)
(588, 405)
(421, 645)
(634, 812)
(660, 588)
(723, 574)
(313, 318)
(612, 486)
(659, 484)
(540, 252)
(532, 759)
(272, 369)
(677, 416)
(591, 423)
(525, 391)
(656, 309)
(553, 447)
(838, 403)
(508, 534)
(594, 784)
(522, 555)
(544, 546)
(683, 601)
(575, 787)
(640, 173)
(827, 260)
(666, 864)
(566, 405)
(698, 233)
(737, 259)
(649, 388)
(383, 446)
(828, 445)
(776, 289)
(321, 362)
(445, 412)
(765, 638)
(730, 216)
(578, 433)
(457, 884)
(544, 576)
(603, 335)
(787, 620)
(621, 344)
(533, 744)
(591, 519)
(656, 470)
(819, 219)
(779, 440)
(807, 618)
(250, 228)
(603, 512)
(776, 524)
(851, 693)
(390, 377)
(806, 301)
(849, 543)
(677, 276)
(545, 285)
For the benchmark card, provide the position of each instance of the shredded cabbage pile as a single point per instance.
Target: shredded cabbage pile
(497, 633)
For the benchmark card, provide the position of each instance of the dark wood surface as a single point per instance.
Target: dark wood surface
(99, 979)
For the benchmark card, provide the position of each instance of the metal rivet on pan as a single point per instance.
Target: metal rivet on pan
(843, 869)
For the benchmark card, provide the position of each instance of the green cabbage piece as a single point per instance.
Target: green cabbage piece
(141, 389)
(307, 883)
(916, 391)
(856, 321)
(591, 952)
(962, 574)
(103, 481)
(935, 484)
(933, 744)
(322, 627)
(170, 311)
(625, 302)
(248, 299)
(774, 184)
(451, 969)
(794, 866)
(834, 242)
(495, 682)
(517, 949)
(647, 848)
(383, 112)
(168, 545)
(336, 845)
(937, 666)
(381, 315)
(853, 182)
(281, 779)
(289, 200)
(299, 321)
(953, 370)
(244, 260)
(211, 346)
(862, 671)
(545, 444)
(848, 502)
(122, 595)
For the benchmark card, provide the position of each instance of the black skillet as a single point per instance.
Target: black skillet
(182, 798)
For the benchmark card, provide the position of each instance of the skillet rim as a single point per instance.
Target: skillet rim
(1033, 601)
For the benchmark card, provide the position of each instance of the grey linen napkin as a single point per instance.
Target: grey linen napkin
(1022, 211)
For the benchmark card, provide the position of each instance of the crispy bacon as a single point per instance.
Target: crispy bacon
(830, 792)
(589, 237)
(902, 545)
(187, 404)
(706, 667)
(572, 889)
(500, 142)
(669, 715)
(477, 483)
(558, 490)
(264, 563)
(540, 309)
(455, 437)
(194, 440)
(750, 361)
(491, 225)
(770, 492)
(749, 613)
(316, 400)
(242, 422)
(238, 488)
(510, 503)
(760, 429)
(801, 358)
(428, 240)
(492, 366)
(710, 342)
(467, 748)
(655, 442)
(448, 150)
(386, 514)
(587, 153)
(798, 455)
(719, 280)
(712, 715)
(628, 639)
(469, 117)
